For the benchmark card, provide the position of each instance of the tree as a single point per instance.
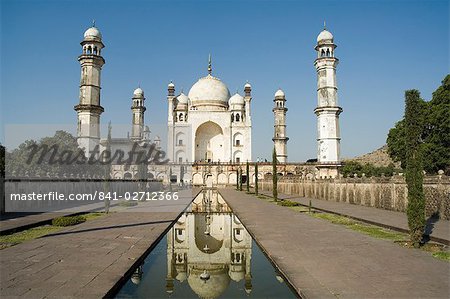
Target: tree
(170, 179)
(274, 175)
(107, 170)
(56, 155)
(351, 168)
(256, 178)
(414, 168)
(182, 175)
(240, 179)
(248, 177)
(435, 133)
(2, 161)
(2, 176)
(237, 179)
(397, 144)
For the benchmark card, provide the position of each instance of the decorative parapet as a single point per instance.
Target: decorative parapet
(388, 193)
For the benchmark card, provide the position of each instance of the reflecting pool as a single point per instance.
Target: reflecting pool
(207, 253)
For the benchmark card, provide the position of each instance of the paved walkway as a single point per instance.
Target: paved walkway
(87, 260)
(324, 260)
(439, 230)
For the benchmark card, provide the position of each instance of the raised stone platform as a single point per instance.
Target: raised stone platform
(88, 260)
(437, 229)
(324, 260)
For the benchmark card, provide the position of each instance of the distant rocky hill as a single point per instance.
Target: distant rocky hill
(379, 157)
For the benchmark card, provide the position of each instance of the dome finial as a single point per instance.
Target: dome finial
(324, 25)
(93, 23)
(209, 65)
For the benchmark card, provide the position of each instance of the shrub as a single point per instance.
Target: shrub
(68, 220)
(288, 203)
(128, 203)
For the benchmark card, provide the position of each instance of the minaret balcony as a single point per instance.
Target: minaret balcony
(91, 108)
(100, 59)
(336, 109)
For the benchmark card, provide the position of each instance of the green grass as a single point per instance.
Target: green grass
(68, 220)
(93, 215)
(367, 229)
(336, 219)
(40, 231)
(128, 203)
(29, 234)
(299, 209)
(378, 232)
(266, 198)
(442, 255)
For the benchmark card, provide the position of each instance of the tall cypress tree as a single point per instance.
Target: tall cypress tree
(240, 179)
(414, 166)
(237, 179)
(256, 178)
(274, 175)
(107, 169)
(248, 177)
(170, 179)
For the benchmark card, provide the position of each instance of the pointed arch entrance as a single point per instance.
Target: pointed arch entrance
(209, 143)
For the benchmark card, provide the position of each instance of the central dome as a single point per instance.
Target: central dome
(209, 91)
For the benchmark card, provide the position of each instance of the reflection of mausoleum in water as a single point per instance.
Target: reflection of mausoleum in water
(208, 247)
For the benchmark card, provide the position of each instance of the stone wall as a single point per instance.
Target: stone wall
(382, 193)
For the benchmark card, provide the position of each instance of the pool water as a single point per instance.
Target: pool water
(208, 253)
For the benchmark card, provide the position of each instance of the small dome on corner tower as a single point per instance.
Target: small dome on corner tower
(236, 99)
(92, 33)
(279, 94)
(325, 35)
(138, 92)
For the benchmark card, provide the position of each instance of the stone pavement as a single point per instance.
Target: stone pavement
(325, 260)
(439, 230)
(90, 259)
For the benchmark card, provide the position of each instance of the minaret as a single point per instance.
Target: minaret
(170, 99)
(279, 138)
(171, 121)
(138, 109)
(328, 110)
(248, 100)
(89, 108)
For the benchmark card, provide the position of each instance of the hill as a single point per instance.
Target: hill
(379, 158)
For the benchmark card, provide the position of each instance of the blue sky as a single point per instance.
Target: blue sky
(384, 47)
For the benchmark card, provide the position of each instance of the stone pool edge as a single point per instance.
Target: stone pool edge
(127, 275)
